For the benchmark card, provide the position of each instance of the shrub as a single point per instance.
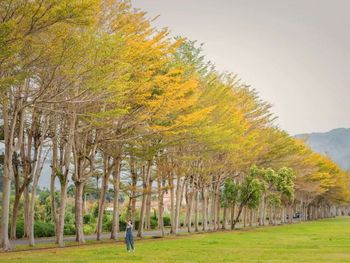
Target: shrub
(69, 229)
(41, 229)
(122, 225)
(107, 218)
(107, 227)
(167, 221)
(19, 229)
(68, 217)
(154, 223)
(88, 229)
(44, 229)
(88, 219)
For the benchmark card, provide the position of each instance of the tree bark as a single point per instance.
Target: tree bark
(146, 176)
(116, 182)
(233, 216)
(204, 209)
(172, 204)
(160, 204)
(79, 227)
(101, 203)
(179, 190)
(196, 211)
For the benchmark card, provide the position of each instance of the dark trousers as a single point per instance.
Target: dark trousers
(129, 240)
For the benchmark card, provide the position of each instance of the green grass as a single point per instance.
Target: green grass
(321, 241)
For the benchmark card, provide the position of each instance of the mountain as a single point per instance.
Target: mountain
(335, 144)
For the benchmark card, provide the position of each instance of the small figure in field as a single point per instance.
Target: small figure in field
(129, 239)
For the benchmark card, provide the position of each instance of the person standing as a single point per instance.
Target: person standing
(129, 239)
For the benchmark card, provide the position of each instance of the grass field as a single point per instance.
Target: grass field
(321, 241)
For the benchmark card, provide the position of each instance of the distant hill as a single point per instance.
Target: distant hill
(335, 144)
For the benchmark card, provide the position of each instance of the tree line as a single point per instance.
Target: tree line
(93, 88)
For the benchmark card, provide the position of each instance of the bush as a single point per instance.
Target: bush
(69, 229)
(43, 229)
(122, 225)
(88, 219)
(19, 229)
(88, 229)
(167, 221)
(107, 218)
(107, 227)
(154, 223)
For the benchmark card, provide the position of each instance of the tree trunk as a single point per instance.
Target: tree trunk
(116, 182)
(9, 136)
(240, 209)
(6, 188)
(189, 211)
(148, 208)
(172, 204)
(160, 205)
(14, 216)
(62, 210)
(204, 209)
(196, 211)
(224, 222)
(79, 227)
(146, 176)
(101, 203)
(233, 216)
(218, 209)
(179, 188)
(54, 217)
(26, 212)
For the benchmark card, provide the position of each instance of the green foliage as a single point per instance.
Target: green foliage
(229, 193)
(167, 221)
(251, 191)
(69, 229)
(89, 219)
(41, 229)
(88, 229)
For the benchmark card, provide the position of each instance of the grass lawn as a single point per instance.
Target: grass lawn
(321, 241)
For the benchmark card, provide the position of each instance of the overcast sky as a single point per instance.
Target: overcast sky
(295, 53)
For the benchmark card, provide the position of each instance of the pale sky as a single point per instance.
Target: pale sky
(295, 53)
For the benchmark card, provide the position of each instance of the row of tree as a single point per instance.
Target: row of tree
(91, 87)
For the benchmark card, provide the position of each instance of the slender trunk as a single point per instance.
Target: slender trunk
(189, 211)
(146, 175)
(224, 222)
(233, 216)
(101, 203)
(14, 216)
(116, 182)
(31, 214)
(160, 205)
(62, 210)
(79, 227)
(218, 209)
(9, 136)
(172, 204)
(245, 217)
(204, 209)
(26, 212)
(54, 217)
(179, 188)
(250, 217)
(133, 190)
(196, 211)
(240, 209)
(6, 188)
(148, 208)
